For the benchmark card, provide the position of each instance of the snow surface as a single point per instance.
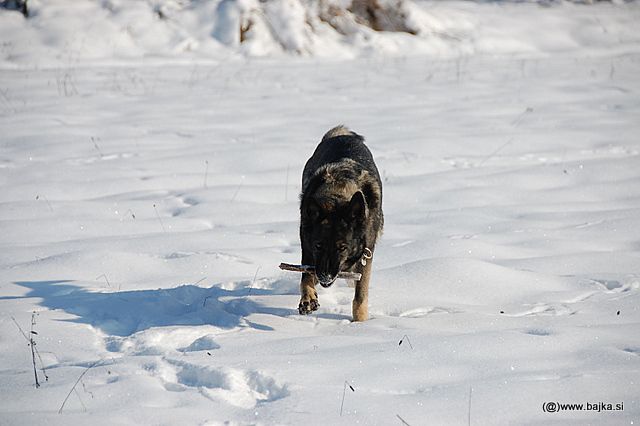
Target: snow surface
(148, 195)
(60, 33)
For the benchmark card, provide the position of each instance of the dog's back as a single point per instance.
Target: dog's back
(337, 145)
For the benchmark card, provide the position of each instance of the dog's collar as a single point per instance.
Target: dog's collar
(366, 255)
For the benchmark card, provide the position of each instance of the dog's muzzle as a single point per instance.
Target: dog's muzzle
(326, 280)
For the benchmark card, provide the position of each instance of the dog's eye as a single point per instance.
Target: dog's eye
(318, 246)
(342, 247)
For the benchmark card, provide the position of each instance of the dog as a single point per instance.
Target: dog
(340, 217)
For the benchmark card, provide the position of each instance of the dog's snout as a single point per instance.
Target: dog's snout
(326, 280)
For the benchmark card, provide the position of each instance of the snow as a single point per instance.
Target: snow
(149, 189)
(99, 32)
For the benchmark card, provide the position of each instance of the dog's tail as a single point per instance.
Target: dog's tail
(340, 130)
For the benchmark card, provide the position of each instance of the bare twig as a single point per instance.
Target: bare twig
(95, 145)
(105, 278)
(469, 409)
(344, 391)
(76, 384)
(159, 219)
(521, 117)
(84, 387)
(130, 211)
(298, 268)
(32, 345)
(312, 270)
(45, 199)
(402, 420)
(84, 407)
(206, 172)
(44, 370)
(20, 328)
(235, 194)
(405, 337)
(253, 281)
(488, 157)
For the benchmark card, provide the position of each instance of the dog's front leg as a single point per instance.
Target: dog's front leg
(308, 294)
(360, 308)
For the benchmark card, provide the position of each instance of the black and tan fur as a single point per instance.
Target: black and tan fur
(340, 216)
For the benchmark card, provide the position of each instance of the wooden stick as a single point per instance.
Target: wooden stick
(312, 270)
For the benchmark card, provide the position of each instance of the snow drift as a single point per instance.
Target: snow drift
(59, 32)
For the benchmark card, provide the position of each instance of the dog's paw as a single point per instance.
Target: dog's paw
(307, 306)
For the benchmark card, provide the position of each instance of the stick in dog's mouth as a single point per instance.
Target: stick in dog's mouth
(312, 270)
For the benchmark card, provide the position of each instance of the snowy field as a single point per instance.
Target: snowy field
(145, 203)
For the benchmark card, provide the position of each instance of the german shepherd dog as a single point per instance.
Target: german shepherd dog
(340, 217)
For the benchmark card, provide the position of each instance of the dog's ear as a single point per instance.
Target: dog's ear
(358, 206)
(312, 209)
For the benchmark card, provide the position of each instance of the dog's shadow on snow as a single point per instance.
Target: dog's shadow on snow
(124, 313)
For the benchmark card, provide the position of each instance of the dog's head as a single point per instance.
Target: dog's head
(335, 234)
